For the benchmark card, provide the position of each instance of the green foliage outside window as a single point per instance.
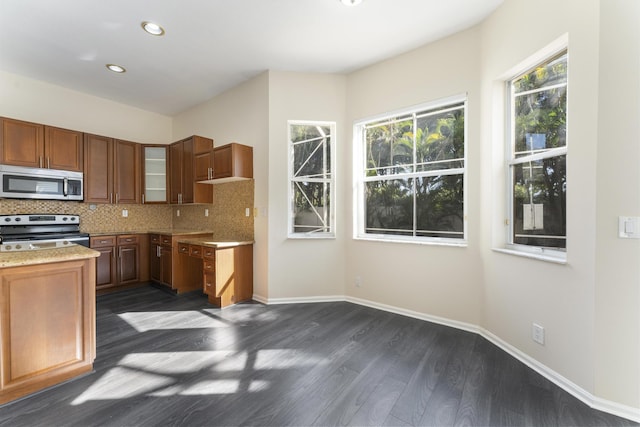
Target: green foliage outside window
(414, 174)
(539, 155)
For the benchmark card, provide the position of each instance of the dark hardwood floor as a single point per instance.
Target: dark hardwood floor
(175, 360)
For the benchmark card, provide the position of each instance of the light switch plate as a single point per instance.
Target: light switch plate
(629, 227)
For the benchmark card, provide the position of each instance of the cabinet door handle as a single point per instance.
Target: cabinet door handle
(110, 197)
(158, 251)
(40, 161)
(48, 163)
(143, 198)
(117, 198)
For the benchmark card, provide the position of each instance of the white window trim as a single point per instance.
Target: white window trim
(332, 183)
(359, 165)
(534, 252)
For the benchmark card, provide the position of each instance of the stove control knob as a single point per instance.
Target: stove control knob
(18, 219)
(8, 247)
(18, 247)
(7, 219)
(64, 218)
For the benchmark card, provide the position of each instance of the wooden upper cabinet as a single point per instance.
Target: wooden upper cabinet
(39, 146)
(126, 172)
(63, 149)
(187, 171)
(203, 165)
(21, 143)
(232, 161)
(98, 164)
(175, 176)
(187, 158)
(112, 170)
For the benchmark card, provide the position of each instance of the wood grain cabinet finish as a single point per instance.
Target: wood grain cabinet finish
(47, 326)
(227, 273)
(106, 263)
(232, 161)
(63, 149)
(40, 146)
(170, 264)
(128, 259)
(112, 170)
(186, 163)
(122, 261)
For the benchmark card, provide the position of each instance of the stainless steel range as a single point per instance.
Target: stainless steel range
(40, 231)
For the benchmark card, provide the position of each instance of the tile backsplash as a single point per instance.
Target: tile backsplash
(227, 214)
(226, 218)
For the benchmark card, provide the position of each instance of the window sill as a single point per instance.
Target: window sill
(539, 257)
(311, 237)
(461, 244)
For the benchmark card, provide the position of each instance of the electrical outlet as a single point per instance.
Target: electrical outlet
(247, 212)
(537, 333)
(206, 212)
(177, 212)
(125, 213)
(358, 281)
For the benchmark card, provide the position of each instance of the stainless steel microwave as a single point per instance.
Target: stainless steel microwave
(19, 182)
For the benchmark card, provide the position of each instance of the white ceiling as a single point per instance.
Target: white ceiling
(211, 45)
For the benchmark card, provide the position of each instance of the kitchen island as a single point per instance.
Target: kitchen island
(47, 318)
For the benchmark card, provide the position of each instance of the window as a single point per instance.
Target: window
(311, 180)
(537, 158)
(411, 175)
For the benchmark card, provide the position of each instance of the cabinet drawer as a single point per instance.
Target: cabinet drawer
(165, 240)
(154, 238)
(209, 285)
(195, 251)
(208, 266)
(183, 248)
(208, 252)
(128, 240)
(102, 241)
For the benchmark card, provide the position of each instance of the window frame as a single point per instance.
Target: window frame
(360, 180)
(331, 234)
(540, 252)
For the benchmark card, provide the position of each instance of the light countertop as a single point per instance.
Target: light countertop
(45, 256)
(204, 241)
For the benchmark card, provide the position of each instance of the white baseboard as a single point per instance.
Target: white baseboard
(570, 387)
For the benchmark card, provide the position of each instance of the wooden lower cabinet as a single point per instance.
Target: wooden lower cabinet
(106, 273)
(123, 261)
(170, 267)
(227, 274)
(47, 325)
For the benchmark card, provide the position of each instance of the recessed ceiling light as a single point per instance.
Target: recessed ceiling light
(351, 2)
(116, 68)
(152, 28)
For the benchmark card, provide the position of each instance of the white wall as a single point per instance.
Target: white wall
(40, 102)
(304, 268)
(436, 280)
(519, 291)
(240, 115)
(617, 292)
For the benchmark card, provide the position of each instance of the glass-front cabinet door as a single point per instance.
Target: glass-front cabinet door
(154, 175)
